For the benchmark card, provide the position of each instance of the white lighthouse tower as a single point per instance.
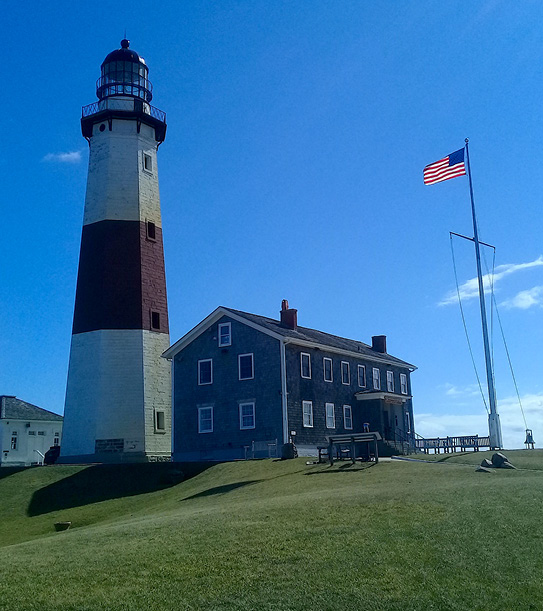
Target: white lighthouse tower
(118, 395)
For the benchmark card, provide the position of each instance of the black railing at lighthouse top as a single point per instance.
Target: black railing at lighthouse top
(96, 107)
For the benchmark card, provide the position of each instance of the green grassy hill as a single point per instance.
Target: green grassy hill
(274, 535)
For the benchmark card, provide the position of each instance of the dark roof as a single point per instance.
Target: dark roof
(319, 337)
(16, 409)
(124, 54)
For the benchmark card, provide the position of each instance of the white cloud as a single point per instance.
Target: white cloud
(525, 299)
(513, 428)
(72, 157)
(470, 289)
(461, 391)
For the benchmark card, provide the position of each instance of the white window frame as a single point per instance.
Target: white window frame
(376, 378)
(407, 422)
(302, 354)
(252, 366)
(328, 360)
(348, 383)
(361, 368)
(160, 429)
(200, 410)
(403, 383)
(200, 383)
(347, 409)
(330, 418)
(146, 156)
(308, 404)
(390, 381)
(221, 343)
(241, 406)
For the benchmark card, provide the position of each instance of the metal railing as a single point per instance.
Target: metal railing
(124, 106)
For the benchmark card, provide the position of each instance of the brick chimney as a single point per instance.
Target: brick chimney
(289, 316)
(379, 343)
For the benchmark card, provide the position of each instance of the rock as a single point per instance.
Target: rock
(288, 451)
(483, 470)
(498, 459)
(487, 463)
(507, 465)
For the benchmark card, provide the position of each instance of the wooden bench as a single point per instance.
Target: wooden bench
(352, 439)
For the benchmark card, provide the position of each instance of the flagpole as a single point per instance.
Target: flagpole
(494, 426)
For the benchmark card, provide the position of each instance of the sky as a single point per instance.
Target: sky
(292, 169)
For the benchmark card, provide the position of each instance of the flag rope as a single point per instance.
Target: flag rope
(466, 327)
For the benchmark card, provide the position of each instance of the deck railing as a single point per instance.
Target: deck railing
(451, 444)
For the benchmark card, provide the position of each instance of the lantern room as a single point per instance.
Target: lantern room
(124, 73)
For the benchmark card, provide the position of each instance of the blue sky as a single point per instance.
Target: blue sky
(292, 168)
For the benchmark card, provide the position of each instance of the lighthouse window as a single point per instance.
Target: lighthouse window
(155, 320)
(160, 422)
(151, 231)
(147, 162)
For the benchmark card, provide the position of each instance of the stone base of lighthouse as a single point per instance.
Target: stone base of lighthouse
(118, 398)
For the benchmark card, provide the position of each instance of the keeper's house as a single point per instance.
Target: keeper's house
(240, 378)
(26, 432)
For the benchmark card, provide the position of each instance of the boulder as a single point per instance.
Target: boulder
(507, 465)
(487, 463)
(483, 470)
(498, 459)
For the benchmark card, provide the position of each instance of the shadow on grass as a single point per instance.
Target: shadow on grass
(105, 482)
(7, 471)
(345, 468)
(222, 489)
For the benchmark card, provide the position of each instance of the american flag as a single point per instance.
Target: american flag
(448, 167)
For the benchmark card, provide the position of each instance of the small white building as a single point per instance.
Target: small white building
(26, 432)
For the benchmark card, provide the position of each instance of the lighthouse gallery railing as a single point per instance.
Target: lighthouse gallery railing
(129, 105)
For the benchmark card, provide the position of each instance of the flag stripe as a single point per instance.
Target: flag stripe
(443, 170)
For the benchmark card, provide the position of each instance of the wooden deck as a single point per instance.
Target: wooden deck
(452, 444)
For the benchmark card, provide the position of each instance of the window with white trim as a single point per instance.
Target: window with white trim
(225, 334)
(390, 381)
(147, 162)
(160, 420)
(246, 366)
(330, 416)
(403, 383)
(14, 440)
(407, 422)
(247, 415)
(361, 376)
(205, 419)
(205, 372)
(347, 417)
(307, 411)
(376, 378)
(305, 365)
(327, 369)
(345, 372)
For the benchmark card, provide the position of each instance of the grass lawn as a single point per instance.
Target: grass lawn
(275, 535)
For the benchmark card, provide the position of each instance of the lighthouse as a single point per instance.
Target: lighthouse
(118, 394)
